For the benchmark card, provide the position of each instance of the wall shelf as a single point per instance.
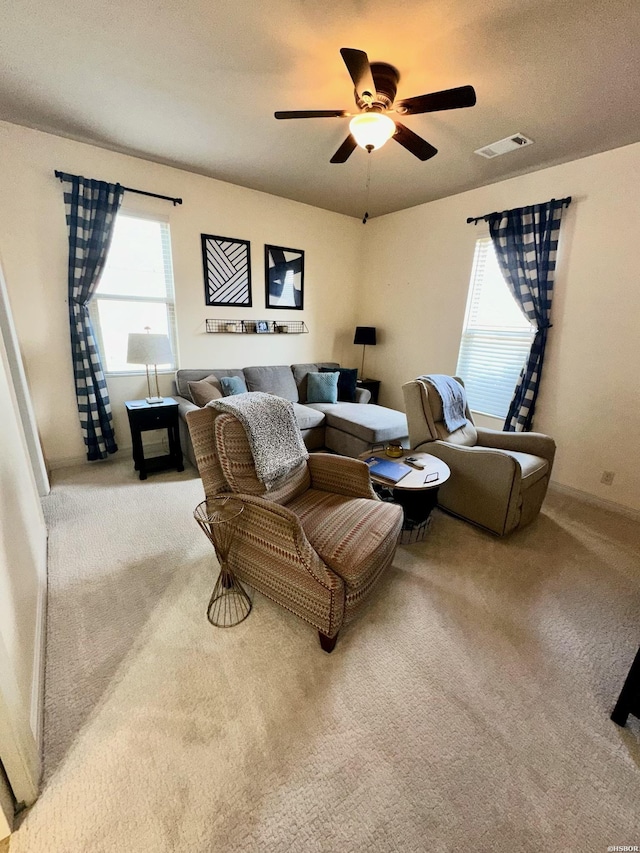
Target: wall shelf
(250, 327)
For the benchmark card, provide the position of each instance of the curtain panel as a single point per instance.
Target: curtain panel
(91, 207)
(526, 244)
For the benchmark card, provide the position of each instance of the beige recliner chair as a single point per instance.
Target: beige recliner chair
(498, 479)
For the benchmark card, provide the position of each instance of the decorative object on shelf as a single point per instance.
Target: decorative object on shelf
(227, 271)
(284, 277)
(229, 603)
(366, 336)
(250, 327)
(145, 348)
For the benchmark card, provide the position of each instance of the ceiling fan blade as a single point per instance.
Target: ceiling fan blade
(449, 99)
(418, 146)
(345, 151)
(311, 114)
(357, 63)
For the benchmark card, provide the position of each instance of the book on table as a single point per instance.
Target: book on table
(386, 469)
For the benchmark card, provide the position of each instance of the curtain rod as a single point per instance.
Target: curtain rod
(564, 202)
(63, 175)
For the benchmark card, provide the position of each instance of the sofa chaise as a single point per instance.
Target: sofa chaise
(343, 427)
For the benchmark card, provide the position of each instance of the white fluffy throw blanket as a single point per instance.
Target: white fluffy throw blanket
(272, 430)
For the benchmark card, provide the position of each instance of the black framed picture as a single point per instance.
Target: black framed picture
(262, 327)
(284, 277)
(227, 271)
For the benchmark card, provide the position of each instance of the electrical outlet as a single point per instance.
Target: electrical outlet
(607, 477)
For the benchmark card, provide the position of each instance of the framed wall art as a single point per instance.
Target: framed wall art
(262, 327)
(284, 277)
(227, 271)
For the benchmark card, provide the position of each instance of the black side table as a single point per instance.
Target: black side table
(144, 416)
(372, 385)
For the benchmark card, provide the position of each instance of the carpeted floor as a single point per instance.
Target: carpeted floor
(467, 709)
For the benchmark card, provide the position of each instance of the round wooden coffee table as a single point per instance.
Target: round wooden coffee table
(416, 497)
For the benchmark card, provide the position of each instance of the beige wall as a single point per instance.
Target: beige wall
(33, 243)
(414, 289)
(406, 273)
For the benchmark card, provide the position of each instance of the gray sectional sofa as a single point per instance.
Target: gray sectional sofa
(346, 428)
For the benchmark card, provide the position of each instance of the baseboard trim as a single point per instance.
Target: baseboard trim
(122, 453)
(600, 503)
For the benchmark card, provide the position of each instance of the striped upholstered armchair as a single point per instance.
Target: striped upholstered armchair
(318, 543)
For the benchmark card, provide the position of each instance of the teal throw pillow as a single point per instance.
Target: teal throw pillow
(322, 387)
(232, 385)
(347, 382)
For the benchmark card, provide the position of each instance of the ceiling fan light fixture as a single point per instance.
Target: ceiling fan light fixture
(371, 129)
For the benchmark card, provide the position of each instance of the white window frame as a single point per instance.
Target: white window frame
(490, 357)
(168, 300)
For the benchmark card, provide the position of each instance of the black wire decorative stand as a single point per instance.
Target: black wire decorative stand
(229, 603)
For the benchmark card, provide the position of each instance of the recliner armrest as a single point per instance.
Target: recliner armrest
(484, 462)
(286, 535)
(523, 442)
(184, 405)
(341, 475)
(363, 395)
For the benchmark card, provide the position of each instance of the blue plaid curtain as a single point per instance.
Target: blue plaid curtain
(526, 243)
(91, 208)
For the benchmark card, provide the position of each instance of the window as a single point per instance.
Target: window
(136, 290)
(496, 338)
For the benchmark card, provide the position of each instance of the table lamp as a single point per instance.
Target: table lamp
(365, 335)
(145, 348)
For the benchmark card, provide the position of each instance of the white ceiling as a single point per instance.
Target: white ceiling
(195, 84)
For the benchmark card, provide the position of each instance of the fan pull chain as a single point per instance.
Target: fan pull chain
(366, 215)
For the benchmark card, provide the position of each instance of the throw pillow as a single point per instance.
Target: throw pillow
(232, 385)
(322, 387)
(202, 392)
(347, 380)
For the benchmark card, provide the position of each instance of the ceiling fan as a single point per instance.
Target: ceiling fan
(375, 90)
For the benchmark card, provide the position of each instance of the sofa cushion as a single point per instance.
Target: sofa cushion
(204, 390)
(185, 375)
(322, 387)
(329, 521)
(232, 385)
(300, 372)
(273, 379)
(373, 424)
(347, 382)
(306, 417)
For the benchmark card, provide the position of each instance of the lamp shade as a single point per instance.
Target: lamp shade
(144, 348)
(371, 129)
(365, 335)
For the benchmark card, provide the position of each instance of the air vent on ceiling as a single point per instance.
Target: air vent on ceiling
(503, 146)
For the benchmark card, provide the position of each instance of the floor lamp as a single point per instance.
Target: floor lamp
(145, 348)
(365, 335)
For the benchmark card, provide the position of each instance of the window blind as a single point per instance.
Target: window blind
(496, 337)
